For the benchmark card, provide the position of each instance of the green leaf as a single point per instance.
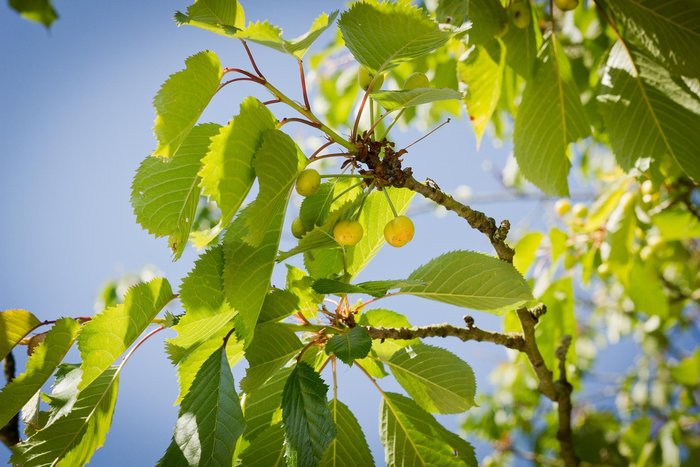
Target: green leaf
(267, 450)
(489, 19)
(301, 285)
(395, 100)
(351, 345)
(182, 99)
(648, 112)
(471, 280)
(227, 170)
(103, 339)
(278, 304)
(308, 423)
(687, 371)
(40, 367)
(223, 17)
(271, 36)
(374, 216)
(248, 271)
(382, 35)
(71, 440)
(380, 318)
(651, 298)
(64, 391)
(527, 250)
(272, 348)
(482, 78)
(550, 117)
(349, 448)
(277, 164)
(436, 379)
(521, 46)
(668, 30)
(14, 325)
(263, 403)
(411, 436)
(452, 11)
(40, 11)
(677, 224)
(210, 418)
(373, 288)
(165, 192)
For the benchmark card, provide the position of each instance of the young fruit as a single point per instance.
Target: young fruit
(348, 233)
(365, 77)
(298, 229)
(562, 207)
(399, 231)
(308, 182)
(579, 210)
(416, 80)
(520, 13)
(566, 5)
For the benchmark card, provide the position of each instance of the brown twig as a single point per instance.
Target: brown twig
(303, 85)
(298, 120)
(252, 60)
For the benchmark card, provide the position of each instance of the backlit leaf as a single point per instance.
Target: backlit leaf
(471, 280)
(382, 35)
(165, 192)
(550, 117)
(40, 366)
(308, 424)
(104, 338)
(351, 345)
(182, 99)
(223, 17)
(395, 100)
(349, 448)
(14, 325)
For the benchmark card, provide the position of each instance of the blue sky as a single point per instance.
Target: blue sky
(76, 119)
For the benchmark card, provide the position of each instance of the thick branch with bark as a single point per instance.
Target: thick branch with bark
(476, 219)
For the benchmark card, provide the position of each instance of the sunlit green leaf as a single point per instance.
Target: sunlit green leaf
(263, 403)
(40, 367)
(436, 379)
(41, 11)
(373, 288)
(182, 99)
(210, 418)
(273, 347)
(489, 19)
(104, 338)
(648, 112)
(14, 325)
(351, 345)
(382, 35)
(677, 224)
(165, 192)
(266, 450)
(308, 424)
(687, 371)
(526, 249)
(71, 440)
(271, 36)
(349, 448)
(411, 436)
(550, 117)
(223, 17)
(482, 78)
(471, 280)
(381, 318)
(395, 100)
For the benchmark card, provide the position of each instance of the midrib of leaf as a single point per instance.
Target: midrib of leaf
(666, 20)
(87, 419)
(403, 427)
(416, 375)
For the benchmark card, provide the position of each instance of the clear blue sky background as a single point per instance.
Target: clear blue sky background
(76, 118)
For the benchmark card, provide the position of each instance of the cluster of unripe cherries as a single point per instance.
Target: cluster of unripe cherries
(520, 12)
(397, 232)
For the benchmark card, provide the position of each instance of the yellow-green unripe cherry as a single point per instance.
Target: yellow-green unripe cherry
(520, 13)
(562, 207)
(579, 210)
(416, 80)
(399, 231)
(566, 5)
(348, 233)
(298, 229)
(308, 182)
(365, 77)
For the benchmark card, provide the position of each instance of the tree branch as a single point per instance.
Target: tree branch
(564, 389)
(470, 333)
(9, 434)
(476, 219)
